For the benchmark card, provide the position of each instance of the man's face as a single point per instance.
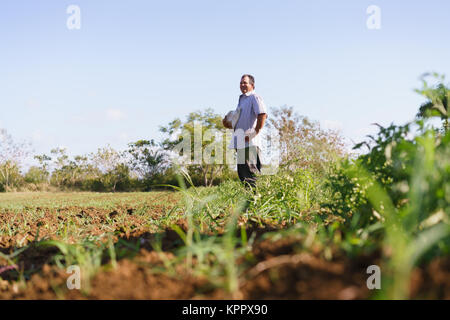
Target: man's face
(245, 85)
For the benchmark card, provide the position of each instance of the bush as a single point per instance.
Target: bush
(10, 177)
(288, 192)
(92, 185)
(393, 162)
(36, 175)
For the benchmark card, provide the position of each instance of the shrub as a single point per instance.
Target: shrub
(392, 162)
(36, 175)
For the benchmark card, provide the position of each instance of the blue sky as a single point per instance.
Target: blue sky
(136, 65)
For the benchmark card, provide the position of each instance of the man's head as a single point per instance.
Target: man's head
(247, 83)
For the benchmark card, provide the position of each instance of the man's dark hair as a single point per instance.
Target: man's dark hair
(251, 78)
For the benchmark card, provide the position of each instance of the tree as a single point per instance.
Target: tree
(72, 173)
(118, 178)
(61, 160)
(82, 170)
(44, 166)
(110, 163)
(438, 99)
(303, 143)
(11, 156)
(36, 175)
(200, 133)
(147, 158)
(10, 175)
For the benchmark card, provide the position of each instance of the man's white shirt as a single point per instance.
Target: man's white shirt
(250, 106)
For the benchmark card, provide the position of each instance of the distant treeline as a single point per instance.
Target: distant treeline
(147, 165)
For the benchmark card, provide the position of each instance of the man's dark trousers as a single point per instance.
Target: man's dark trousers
(249, 165)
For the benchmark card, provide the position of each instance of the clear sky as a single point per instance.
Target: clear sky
(137, 64)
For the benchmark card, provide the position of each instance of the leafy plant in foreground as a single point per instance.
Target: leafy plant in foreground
(402, 183)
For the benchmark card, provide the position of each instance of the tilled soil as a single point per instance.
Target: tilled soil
(276, 269)
(278, 273)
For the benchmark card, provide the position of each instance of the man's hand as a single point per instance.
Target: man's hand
(259, 124)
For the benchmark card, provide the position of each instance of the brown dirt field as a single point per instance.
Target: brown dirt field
(278, 273)
(276, 270)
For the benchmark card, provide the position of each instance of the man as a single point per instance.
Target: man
(245, 139)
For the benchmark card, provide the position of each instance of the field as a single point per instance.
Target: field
(194, 243)
(154, 150)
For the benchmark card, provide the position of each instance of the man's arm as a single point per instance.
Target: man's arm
(260, 122)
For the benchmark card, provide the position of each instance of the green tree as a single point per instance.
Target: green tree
(438, 99)
(118, 179)
(11, 155)
(10, 175)
(60, 161)
(73, 173)
(36, 175)
(303, 143)
(147, 159)
(110, 164)
(202, 133)
(44, 166)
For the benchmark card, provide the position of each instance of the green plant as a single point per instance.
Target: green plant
(214, 256)
(438, 99)
(87, 255)
(402, 184)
